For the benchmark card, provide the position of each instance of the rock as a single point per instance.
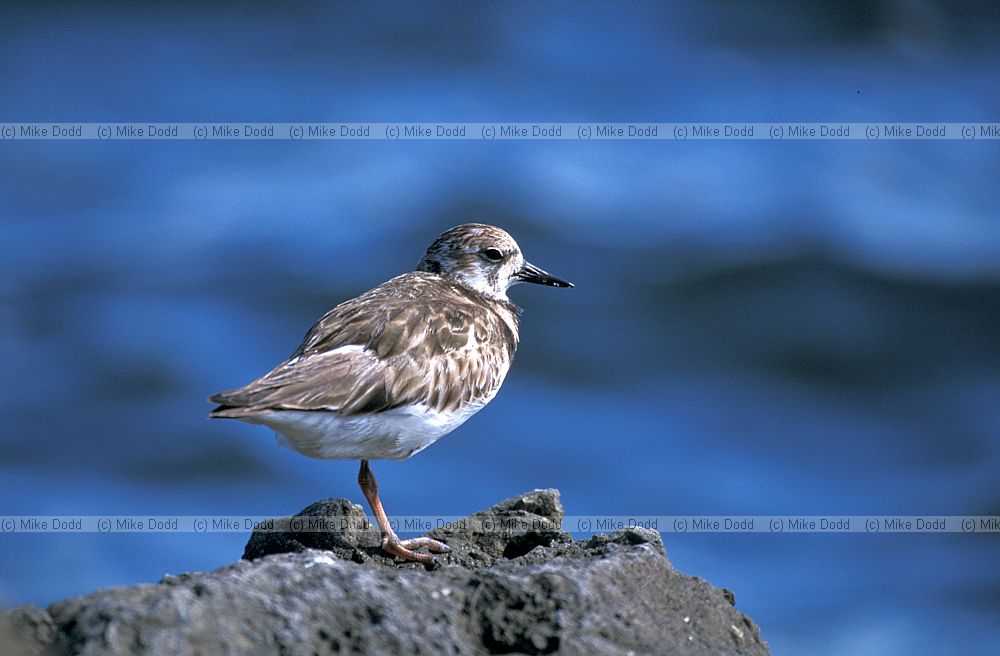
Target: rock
(509, 529)
(28, 631)
(514, 583)
(348, 533)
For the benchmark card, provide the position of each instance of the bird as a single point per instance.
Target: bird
(386, 374)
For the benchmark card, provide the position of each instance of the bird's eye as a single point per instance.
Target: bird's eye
(493, 254)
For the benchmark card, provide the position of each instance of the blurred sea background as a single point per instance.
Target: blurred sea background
(807, 327)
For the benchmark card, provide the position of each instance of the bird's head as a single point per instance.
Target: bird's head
(483, 258)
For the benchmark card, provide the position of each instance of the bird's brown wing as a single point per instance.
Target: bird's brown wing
(379, 351)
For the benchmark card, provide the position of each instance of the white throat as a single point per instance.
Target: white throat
(483, 284)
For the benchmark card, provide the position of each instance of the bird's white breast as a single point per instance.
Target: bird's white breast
(393, 434)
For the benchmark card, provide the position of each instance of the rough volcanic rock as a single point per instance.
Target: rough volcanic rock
(509, 529)
(514, 583)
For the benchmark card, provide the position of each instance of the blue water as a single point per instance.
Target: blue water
(757, 328)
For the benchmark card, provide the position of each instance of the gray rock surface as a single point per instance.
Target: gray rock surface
(525, 588)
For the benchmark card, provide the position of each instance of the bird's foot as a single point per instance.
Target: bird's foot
(404, 549)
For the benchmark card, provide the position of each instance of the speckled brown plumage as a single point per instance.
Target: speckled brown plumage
(425, 339)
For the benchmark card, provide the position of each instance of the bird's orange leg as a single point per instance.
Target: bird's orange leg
(390, 541)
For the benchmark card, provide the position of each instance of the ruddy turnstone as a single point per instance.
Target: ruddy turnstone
(388, 373)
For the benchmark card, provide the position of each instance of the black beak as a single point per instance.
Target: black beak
(531, 273)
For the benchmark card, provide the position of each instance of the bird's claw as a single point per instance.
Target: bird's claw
(404, 549)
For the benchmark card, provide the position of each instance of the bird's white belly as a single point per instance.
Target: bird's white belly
(393, 434)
